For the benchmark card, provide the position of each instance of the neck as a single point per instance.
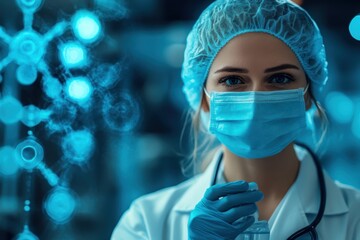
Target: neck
(274, 175)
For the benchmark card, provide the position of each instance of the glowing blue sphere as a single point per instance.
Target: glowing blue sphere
(10, 109)
(73, 55)
(86, 26)
(340, 107)
(354, 27)
(78, 146)
(8, 164)
(60, 205)
(29, 154)
(106, 75)
(26, 74)
(121, 112)
(79, 89)
(52, 87)
(27, 47)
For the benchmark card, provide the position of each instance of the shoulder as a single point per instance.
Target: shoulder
(148, 211)
(351, 196)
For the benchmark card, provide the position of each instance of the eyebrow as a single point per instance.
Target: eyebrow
(244, 70)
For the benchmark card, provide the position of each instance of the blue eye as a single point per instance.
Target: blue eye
(281, 79)
(231, 81)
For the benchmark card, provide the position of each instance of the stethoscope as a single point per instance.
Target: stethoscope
(310, 229)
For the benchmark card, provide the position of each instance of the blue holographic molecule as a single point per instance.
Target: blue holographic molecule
(28, 47)
(78, 146)
(10, 110)
(29, 153)
(26, 74)
(60, 205)
(354, 27)
(8, 163)
(79, 89)
(340, 107)
(86, 26)
(121, 112)
(26, 234)
(73, 55)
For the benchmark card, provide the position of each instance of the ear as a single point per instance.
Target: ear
(204, 102)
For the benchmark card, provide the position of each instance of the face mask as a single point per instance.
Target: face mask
(257, 124)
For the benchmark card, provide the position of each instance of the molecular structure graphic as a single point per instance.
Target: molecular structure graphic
(69, 95)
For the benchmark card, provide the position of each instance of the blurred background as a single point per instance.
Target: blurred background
(94, 120)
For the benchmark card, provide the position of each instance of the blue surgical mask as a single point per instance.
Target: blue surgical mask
(257, 124)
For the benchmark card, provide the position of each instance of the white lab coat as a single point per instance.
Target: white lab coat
(163, 215)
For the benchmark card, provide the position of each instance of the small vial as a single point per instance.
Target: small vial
(260, 229)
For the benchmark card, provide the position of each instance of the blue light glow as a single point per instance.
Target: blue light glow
(79, 89)
(61, 116)
(121, 112)
(106, 75)
(78, 146)
(29, 154)
(51, 87)
(340, 107)
(26, 74)
(10, 109)
(31, 116)
(29, 5)
(8, 164)
(60, 205)
(50, 176)
(86, 26)
(73, 55)
(354, 27)
(355, 126)
(26, 234)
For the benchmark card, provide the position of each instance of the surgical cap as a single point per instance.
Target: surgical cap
(225, 19)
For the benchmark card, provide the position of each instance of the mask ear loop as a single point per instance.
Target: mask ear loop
(206, 92)
(306, 88)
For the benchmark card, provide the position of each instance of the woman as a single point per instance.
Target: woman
(252, 69)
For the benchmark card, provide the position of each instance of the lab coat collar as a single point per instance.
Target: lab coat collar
(304, 190)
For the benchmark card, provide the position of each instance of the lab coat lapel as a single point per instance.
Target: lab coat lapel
(301, 203)
(290, 218)
(302, 194)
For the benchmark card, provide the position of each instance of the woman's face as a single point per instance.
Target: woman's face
(255, 62)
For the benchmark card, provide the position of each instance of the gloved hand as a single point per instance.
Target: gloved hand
(224, 212)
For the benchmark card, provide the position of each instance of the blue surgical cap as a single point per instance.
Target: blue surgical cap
(225, 19)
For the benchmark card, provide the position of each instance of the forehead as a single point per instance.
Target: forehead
(254, 51)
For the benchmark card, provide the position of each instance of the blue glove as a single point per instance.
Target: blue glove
(224, 212)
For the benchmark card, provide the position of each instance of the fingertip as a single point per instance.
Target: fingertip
(261, 195)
